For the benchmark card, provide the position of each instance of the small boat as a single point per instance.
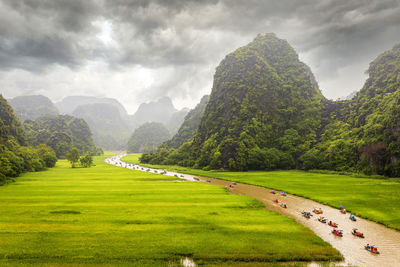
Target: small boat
(322, 219)
(306, 214)
(273, 192)
(357, 233)
(283, 205)
(353, 218)
(333, 224)
(337, 232)
(318, 211)
(276, 200)
(372, 249)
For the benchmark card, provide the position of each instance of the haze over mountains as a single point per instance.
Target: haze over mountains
(108, 120)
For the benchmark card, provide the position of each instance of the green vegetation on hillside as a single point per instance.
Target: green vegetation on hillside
(31, 107)
(61, 133)
(147, 137)
(115, 216)
(189, 126)
(375, 199)
(266, 112)
(14, 157)
(364, 134)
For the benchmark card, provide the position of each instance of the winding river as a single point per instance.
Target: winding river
(351, 247)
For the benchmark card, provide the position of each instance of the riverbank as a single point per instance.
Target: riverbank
(350, 246)
(374, 199)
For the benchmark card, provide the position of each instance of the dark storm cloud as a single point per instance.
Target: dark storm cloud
(187, 39)
(35, 34)
(181, 32)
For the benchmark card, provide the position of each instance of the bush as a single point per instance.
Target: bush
(86, 161)
(48, 155)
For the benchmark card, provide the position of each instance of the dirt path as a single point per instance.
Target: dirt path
(351, 247)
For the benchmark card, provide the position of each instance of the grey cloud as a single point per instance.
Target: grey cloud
(189, 38)
(37, 34)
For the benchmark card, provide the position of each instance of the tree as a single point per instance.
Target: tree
(73, 156)
(86, 161)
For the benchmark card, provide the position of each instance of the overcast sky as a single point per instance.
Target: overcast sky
(137, 51)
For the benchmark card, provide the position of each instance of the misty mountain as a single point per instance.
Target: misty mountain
(155, 111)
(110, 129)
(31, 107)
(176, 120)
(70, 103)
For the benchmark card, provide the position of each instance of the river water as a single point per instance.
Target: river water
(351, 247)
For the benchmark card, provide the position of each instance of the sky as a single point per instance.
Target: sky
(139, 51)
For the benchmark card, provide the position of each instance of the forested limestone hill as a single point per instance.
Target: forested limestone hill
(266, 112)
(147, 137)
(61, 133)
(16, 158)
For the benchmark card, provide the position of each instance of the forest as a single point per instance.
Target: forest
(15, 156)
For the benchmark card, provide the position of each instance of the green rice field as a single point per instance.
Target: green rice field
(111, 216)
(377, 199)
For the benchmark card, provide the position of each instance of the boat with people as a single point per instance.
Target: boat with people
(333, 224)
(318, 211)
(355, 232)
(307, 214)
(283, 205)
(353, 218)
(372, 249)
(322, 219)
(337, 232)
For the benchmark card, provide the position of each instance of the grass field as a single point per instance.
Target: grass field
(375, 199)
(107, 215)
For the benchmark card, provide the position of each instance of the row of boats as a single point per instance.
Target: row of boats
(335, 230)
(308, 215)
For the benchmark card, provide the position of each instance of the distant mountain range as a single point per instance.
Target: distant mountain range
(107, 118)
